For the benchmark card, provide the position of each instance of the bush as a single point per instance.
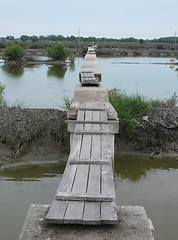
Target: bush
(2, 102)
(57, 52)
(160, 46)
(34, 46)
(129, 109)
(14, 52)
(2, 45)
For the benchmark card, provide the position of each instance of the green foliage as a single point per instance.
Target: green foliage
(2, 45)
(67, 103)
(24, 38)
(2, 102)
(173, 100)
(34, 46)
(160, 46)
(142, 41)
(57, 52)
(129, 109)
(72, 57)
(84, 49)
(14, 52)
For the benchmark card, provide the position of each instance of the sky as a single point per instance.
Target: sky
(100, 18)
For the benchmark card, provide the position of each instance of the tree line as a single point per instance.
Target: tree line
(72, 38)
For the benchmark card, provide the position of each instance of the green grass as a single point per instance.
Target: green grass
(2, 101)
(130, 108)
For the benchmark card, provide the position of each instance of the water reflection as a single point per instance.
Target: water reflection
(32, 172)
(136, 168)
(57, 71)
(13, 70)
(72, 67)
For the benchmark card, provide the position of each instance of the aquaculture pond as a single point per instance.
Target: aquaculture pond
(46, 86)
(139, 180)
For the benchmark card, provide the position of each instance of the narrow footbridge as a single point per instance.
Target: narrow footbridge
(86, 193)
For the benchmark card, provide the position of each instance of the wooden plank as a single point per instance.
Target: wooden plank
(109, 213)
(108, 210)
(91, 132)
(94, 180)
(86, 144)
(74, 212)
(84, 197)
(92, 122)
(67, 179)
(56, 212)
(80, 183)
(107, 187)
(91, 109)
(91, 214)
(90, 161)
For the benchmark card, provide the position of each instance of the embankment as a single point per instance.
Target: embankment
(34, 133)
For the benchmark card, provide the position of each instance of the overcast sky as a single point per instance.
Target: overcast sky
(99, 18)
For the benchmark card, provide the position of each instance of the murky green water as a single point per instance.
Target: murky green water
(45, 86)
(144, 181)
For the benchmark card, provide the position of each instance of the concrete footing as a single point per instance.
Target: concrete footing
(133, 224)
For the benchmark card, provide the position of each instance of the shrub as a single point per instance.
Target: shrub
(160, 46)
(57, 52)
(2, 102)
(34, 46)
(129, 109)
(14, 52)
(2, 45)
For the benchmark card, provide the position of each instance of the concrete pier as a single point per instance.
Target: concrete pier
(133, 224)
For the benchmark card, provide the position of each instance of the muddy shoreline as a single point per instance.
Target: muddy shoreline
(36, 134)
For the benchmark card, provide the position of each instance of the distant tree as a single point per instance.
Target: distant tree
(141, 41)
(34, 38)
(57, 52)
(160, 46)
(14, 52)
(42, 38)
(10, 37)
(24, 38)
(2, 45)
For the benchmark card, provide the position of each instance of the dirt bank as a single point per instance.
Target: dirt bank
(34, 133)
(31, 133)
(158, 134)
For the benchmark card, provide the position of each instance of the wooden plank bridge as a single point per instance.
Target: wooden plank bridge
(86, 193)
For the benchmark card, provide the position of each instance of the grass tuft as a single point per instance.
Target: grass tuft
(130, 108)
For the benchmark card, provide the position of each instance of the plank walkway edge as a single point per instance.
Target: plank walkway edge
(84, 197)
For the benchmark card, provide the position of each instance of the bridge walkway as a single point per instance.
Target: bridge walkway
(86, 193)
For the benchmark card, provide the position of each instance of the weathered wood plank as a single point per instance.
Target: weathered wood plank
(86, 144)
(107, 187)
(56, 212)
(91, 132)
(109, 213)
(84, 197)
(74, 212)
(94, 180)
(92, 122)
(67, 179)
(80, 183)
(89, 161)
(91, 213)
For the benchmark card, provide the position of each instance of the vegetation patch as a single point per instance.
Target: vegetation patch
(131, 108)
(2, 101)
(57, 52)
(14, 52)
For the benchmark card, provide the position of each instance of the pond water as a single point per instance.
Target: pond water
(139, 180)
(46, 86)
